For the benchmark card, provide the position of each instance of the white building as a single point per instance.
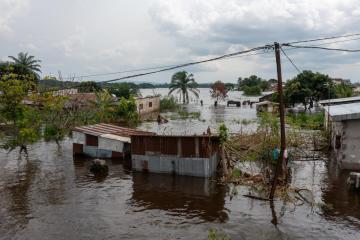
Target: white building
(344, 120)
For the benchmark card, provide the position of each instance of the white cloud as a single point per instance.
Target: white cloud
(8, 10)
(110, 36)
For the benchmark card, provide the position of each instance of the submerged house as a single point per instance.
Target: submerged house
(147, 104)
(196, 155)
(344, 123)
(103, 140)
(267, 106)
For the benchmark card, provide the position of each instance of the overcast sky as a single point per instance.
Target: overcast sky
(82, 37)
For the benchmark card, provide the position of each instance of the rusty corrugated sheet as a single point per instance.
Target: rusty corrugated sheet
(138, 145)
(103, 128)
(168, 145)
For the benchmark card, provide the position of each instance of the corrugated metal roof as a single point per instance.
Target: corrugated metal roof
(116, 137)
(340, 100)
(343, 112)
(103, 128)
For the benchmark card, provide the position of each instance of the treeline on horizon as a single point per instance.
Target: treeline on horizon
(53, 84)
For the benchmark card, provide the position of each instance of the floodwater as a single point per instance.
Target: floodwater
(210, 116)
(51, 195)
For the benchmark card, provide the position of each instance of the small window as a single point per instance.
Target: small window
(141, 106)
(150, 104)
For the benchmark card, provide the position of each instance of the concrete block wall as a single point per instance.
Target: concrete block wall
(348, 155)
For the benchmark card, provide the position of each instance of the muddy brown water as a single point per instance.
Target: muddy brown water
(51, 195)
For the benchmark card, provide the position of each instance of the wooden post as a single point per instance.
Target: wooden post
(281, 163)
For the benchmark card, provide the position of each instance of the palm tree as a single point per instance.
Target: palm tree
(27, 63)
(104, 105)
(183, 82)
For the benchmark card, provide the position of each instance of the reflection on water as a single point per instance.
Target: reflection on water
(53, 196)
(180, 196)
(340, 201)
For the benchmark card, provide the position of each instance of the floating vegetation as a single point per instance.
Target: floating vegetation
(186, 115)
(217, 235)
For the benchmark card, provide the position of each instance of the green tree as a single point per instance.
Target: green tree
(230, 86)
(23, 121)
(104, 106)
(88, 86)
(56, 119)
(252, 91)
(123, 89)
(343, 90)
(126, 111)
(251, 82)
(184, 83)
(27, 63)
(308, 87)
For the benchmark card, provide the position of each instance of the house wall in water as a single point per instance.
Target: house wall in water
(182, 155)
(147, 104)
(346, 143)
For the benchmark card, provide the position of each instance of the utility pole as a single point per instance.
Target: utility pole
(280, 165)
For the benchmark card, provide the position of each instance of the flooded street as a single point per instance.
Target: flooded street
(53, 196)
(235, 118)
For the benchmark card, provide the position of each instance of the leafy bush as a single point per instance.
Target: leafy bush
(168, 104)
(252, 91)
(306, 121)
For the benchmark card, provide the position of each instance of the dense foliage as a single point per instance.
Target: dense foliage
(253, 85)
(308, 87)
(306, 121)
(31, 116)
(168, 104)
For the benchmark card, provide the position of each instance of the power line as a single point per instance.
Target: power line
(152, 68)
(323, 48)
(340, 41)
(226, 56)
(168, 66)
(120, 72)
(288, 58)
(186, 64)
(324, 38)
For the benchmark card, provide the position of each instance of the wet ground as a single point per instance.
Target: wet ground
(50, 195)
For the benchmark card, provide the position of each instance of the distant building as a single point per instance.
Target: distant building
(147, 104)
(344, 122)
(80, 100)
(338, 81)
(267, 97)
(357, 90)
(267, 106)
(65, 92)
